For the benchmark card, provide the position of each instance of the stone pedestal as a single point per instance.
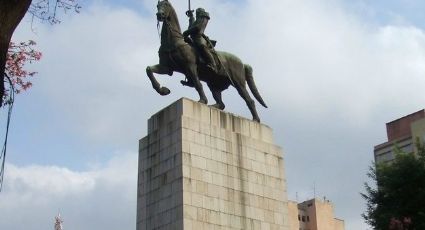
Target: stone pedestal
(202, 168)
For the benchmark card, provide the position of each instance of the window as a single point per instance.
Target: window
(299, 218)
(303, 218)
(308, 218)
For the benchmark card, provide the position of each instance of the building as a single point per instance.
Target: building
(58, 222)
(402, 133)
(313, 214)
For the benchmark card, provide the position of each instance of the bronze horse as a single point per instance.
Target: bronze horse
(175, 55)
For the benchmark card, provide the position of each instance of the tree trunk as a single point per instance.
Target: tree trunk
(11, 14)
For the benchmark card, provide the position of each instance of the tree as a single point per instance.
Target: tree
(11, 14)
(398, 200)
(13, 56)
(17, 56)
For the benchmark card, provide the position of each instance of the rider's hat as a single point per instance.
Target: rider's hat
(200, 12)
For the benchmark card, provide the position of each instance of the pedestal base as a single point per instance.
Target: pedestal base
(202, 168)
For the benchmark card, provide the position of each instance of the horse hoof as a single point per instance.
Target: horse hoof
(218, 106)
(256, 119)
(203, 101)
(164, 91)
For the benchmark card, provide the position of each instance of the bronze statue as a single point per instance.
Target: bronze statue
(176, 55)
(196, 31)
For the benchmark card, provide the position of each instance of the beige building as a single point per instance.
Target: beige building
(313, 214)
(403, 133)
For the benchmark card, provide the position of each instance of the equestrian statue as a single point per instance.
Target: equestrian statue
(192, 53)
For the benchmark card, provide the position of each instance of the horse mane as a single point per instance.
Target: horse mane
(174, 14)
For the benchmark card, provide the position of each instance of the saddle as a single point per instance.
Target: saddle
(221, 70)
(200, 60)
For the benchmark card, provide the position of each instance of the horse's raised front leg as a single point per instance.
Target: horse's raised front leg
(192, 75)
(159, 69)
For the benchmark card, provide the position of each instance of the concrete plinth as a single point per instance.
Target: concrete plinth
(202, 168)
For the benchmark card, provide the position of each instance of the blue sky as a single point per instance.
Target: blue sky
(330, 71)
(386, 11)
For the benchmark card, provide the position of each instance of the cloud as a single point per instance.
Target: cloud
(330, 77)
(101, 198)
(61, 181)
(332, 61)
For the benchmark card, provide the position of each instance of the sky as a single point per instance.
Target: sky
(332, 72)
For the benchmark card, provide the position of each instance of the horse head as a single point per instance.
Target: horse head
(164, 8)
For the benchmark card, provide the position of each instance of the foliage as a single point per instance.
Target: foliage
(46, 10)
(398, 200)
(13, 56)
(17, 56)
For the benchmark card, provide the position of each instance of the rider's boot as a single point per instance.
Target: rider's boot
(187, 82)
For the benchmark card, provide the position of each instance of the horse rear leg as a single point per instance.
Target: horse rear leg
(159, 69)
(249, 102)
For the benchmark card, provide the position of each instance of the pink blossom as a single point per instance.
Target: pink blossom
(17, 57)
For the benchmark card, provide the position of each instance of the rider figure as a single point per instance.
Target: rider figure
(196, 31)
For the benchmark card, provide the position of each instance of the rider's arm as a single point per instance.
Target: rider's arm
(191, 20)
(194, 28)
(189, 13)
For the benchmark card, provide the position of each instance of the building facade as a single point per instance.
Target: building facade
(402, 133)
(313, 214)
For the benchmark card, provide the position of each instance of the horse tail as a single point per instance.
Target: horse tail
(251, 84)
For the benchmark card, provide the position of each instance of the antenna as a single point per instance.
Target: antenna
(314, 189)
